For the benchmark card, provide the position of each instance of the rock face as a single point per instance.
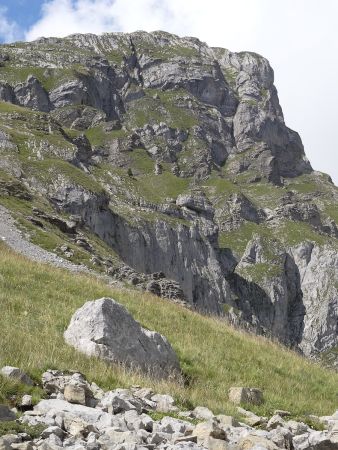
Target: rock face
(317, 265)
(105, 329)
(177, 157)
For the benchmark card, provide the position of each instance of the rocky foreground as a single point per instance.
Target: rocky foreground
(79, 415)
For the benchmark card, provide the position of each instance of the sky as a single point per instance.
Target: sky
(299, 38)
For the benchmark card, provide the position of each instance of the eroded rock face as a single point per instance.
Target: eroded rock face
(32, 95)
(317, 266)
(105, 329)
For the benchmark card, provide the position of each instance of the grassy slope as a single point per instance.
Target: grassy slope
(36, 305)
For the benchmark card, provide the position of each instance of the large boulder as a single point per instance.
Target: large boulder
(104, 328)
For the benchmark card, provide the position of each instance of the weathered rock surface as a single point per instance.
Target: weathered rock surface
(105, 329)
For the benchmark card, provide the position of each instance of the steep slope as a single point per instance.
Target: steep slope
(40, 301)
(168, 164)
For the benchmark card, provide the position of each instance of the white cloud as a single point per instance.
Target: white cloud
(9, 31)
(298, 37)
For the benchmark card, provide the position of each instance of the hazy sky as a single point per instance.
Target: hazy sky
(299, 37)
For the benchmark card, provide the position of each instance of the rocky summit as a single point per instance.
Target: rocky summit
(167, 165)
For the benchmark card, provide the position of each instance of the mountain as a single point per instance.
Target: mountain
(167, 164)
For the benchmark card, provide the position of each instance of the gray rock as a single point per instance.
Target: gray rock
(113, 437)
(4, 445)
(27, 445)
(53, 430)
(105, 329)
(296, 428)
(205, 430)
(227, 421)
(31, 94)
(6, 415)
(275, 421)
(217, 444)
(64, 409)
(136, 421)
(16, 374)
(196, 204)
(315, 440)
(256, 442)
(163, 403)
(6, 93)
(251, 418)
(203, 413)
(26, 401)
(240, 395)
(75, 394)
(170, 425)
(121, 400)
(282, 437)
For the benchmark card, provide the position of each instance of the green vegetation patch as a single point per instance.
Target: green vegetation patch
(163, 108)
(238, 239)
(261, 271)
(293, 233)
(332, 212)
(14, 427)
(48, 169)
(166, 52)
(98, 137)
(11, 391)
(49, 78)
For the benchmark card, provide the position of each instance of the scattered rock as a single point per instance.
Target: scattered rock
(205, 430)
(251, 418)
(119, 421)
(164, 403)
(240, 395)
(253, 442)
(275, 421)
(202, 413)
(227, 421)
